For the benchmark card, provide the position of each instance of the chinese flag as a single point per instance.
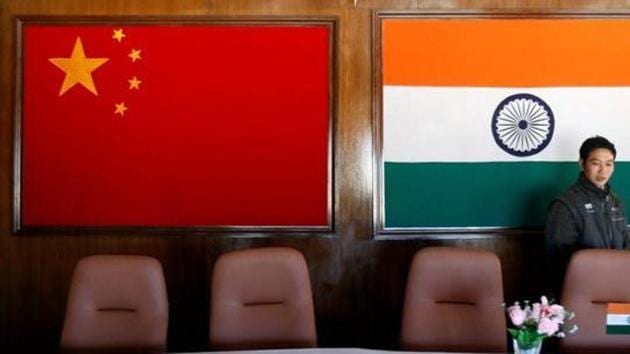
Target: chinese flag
(175, 125)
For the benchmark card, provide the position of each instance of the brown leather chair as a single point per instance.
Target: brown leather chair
(117, 303)
(594, 278)
(261, 298)
(454, 302)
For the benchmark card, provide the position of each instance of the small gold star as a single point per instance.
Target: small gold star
(119, 35)
(120, 108)
(135, 55)
(134, 83)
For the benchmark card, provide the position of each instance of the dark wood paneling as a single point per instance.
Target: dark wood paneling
(358, 281)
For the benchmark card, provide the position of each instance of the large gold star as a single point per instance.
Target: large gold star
(78, 68)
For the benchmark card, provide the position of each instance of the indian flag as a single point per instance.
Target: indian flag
(618, 318)
(483, 118)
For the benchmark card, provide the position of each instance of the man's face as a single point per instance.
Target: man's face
(599, 166)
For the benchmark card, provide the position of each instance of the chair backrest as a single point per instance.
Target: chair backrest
(595, 278)
(117, 303)
(454, 302)
(261, 298)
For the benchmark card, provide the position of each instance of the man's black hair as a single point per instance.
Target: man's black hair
(596, 142)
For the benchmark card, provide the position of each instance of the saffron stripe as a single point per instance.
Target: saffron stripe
(506, 52)
(618, 308)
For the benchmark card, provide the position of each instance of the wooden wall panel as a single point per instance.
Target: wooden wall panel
(358, 281)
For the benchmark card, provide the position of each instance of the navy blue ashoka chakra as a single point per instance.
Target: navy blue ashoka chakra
(522, 125)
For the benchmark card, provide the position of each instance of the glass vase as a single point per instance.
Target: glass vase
(533, 350)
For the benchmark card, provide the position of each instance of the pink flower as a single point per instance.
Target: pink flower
(557, 310)
(536, 312)
(544, 301)
(545, 318)
(517, 315)
(548, 326)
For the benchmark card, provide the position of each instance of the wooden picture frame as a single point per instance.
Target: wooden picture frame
(427, 200)
(227, 137)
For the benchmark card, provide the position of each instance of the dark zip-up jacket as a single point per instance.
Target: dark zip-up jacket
(585, 216)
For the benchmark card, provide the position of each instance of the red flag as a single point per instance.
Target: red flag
(175, 125)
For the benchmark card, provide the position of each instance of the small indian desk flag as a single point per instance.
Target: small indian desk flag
(618, 318)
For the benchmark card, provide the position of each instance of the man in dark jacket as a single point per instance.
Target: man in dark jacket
(588, 214)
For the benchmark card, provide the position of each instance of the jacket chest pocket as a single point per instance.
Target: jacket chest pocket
(616, 215)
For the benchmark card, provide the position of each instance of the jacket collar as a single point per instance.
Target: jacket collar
(591, 188)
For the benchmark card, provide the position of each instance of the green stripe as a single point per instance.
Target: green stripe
(505, 194)
(618, 329)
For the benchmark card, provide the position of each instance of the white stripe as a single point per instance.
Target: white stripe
(618, 320)
(453, 124)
